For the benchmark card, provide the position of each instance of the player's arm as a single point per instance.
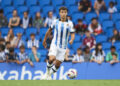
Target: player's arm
(46, 36)
(72, 37)
(72, 31)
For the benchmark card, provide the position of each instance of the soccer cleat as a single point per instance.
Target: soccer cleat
(49, 78)
(47, 71)
(44, 77)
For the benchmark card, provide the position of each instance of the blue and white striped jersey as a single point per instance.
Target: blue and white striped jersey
(62, 31)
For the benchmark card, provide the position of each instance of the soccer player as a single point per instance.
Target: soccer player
(62, 29)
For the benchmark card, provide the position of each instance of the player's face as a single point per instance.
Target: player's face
(63, 14)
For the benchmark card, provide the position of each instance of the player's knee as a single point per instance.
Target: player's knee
(51, 59)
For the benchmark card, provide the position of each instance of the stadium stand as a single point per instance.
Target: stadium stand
(108, 21)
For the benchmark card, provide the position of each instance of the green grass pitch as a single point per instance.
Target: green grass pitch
(60, 83)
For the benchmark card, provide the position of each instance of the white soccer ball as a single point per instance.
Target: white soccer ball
(72, 73)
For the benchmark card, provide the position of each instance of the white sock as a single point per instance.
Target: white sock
(49, 66)
(53, 70)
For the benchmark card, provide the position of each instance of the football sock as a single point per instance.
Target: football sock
(49, 65)
(53, 69)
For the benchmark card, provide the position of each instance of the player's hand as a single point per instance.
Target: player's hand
(71, 41)
(44, 44)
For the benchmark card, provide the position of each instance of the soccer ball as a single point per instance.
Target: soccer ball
(72, 73)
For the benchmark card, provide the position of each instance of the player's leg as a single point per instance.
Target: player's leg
(50, 63)
(59, 59)
(49, 66)
(55, 67)
(52, 56)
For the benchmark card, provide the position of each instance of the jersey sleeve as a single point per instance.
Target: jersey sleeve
(71, 27)
(52, 26)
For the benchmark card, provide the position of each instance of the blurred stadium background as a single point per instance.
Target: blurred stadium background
(107, 22)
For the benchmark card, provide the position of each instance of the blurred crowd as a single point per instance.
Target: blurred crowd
(88, 51)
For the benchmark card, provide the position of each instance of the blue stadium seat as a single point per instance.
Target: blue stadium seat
(101, 38)
(57, 2)
(109, 32)
(24, 37)
(108, 1)
(92, 2)
(31, 30)
(18, 30)
(42, 32)
(106, 51)
(75, 46)
(77, 38)
(8, 10)
(31, 2)
(116, 17)
(104, 16)
(89, 16)
(46, 9)
(77, 16)
(37, 37)
(72, 52)
(70, 2)
(118, 1)
(107, 24)
(17, 3)
(28, 51)
(4, 31)
(117, 45)
(69, 46)
(5, 3)
(118, 5)
(9, 16)
(41, 45)
(117, 25)
(42, 59)
(43, 52)
(17, 50)
(44, 2)
(34, 9)
(106, 45)
(78, 1)
(22, 9)
(73, 9)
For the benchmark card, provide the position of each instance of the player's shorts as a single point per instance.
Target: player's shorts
(59, 53)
